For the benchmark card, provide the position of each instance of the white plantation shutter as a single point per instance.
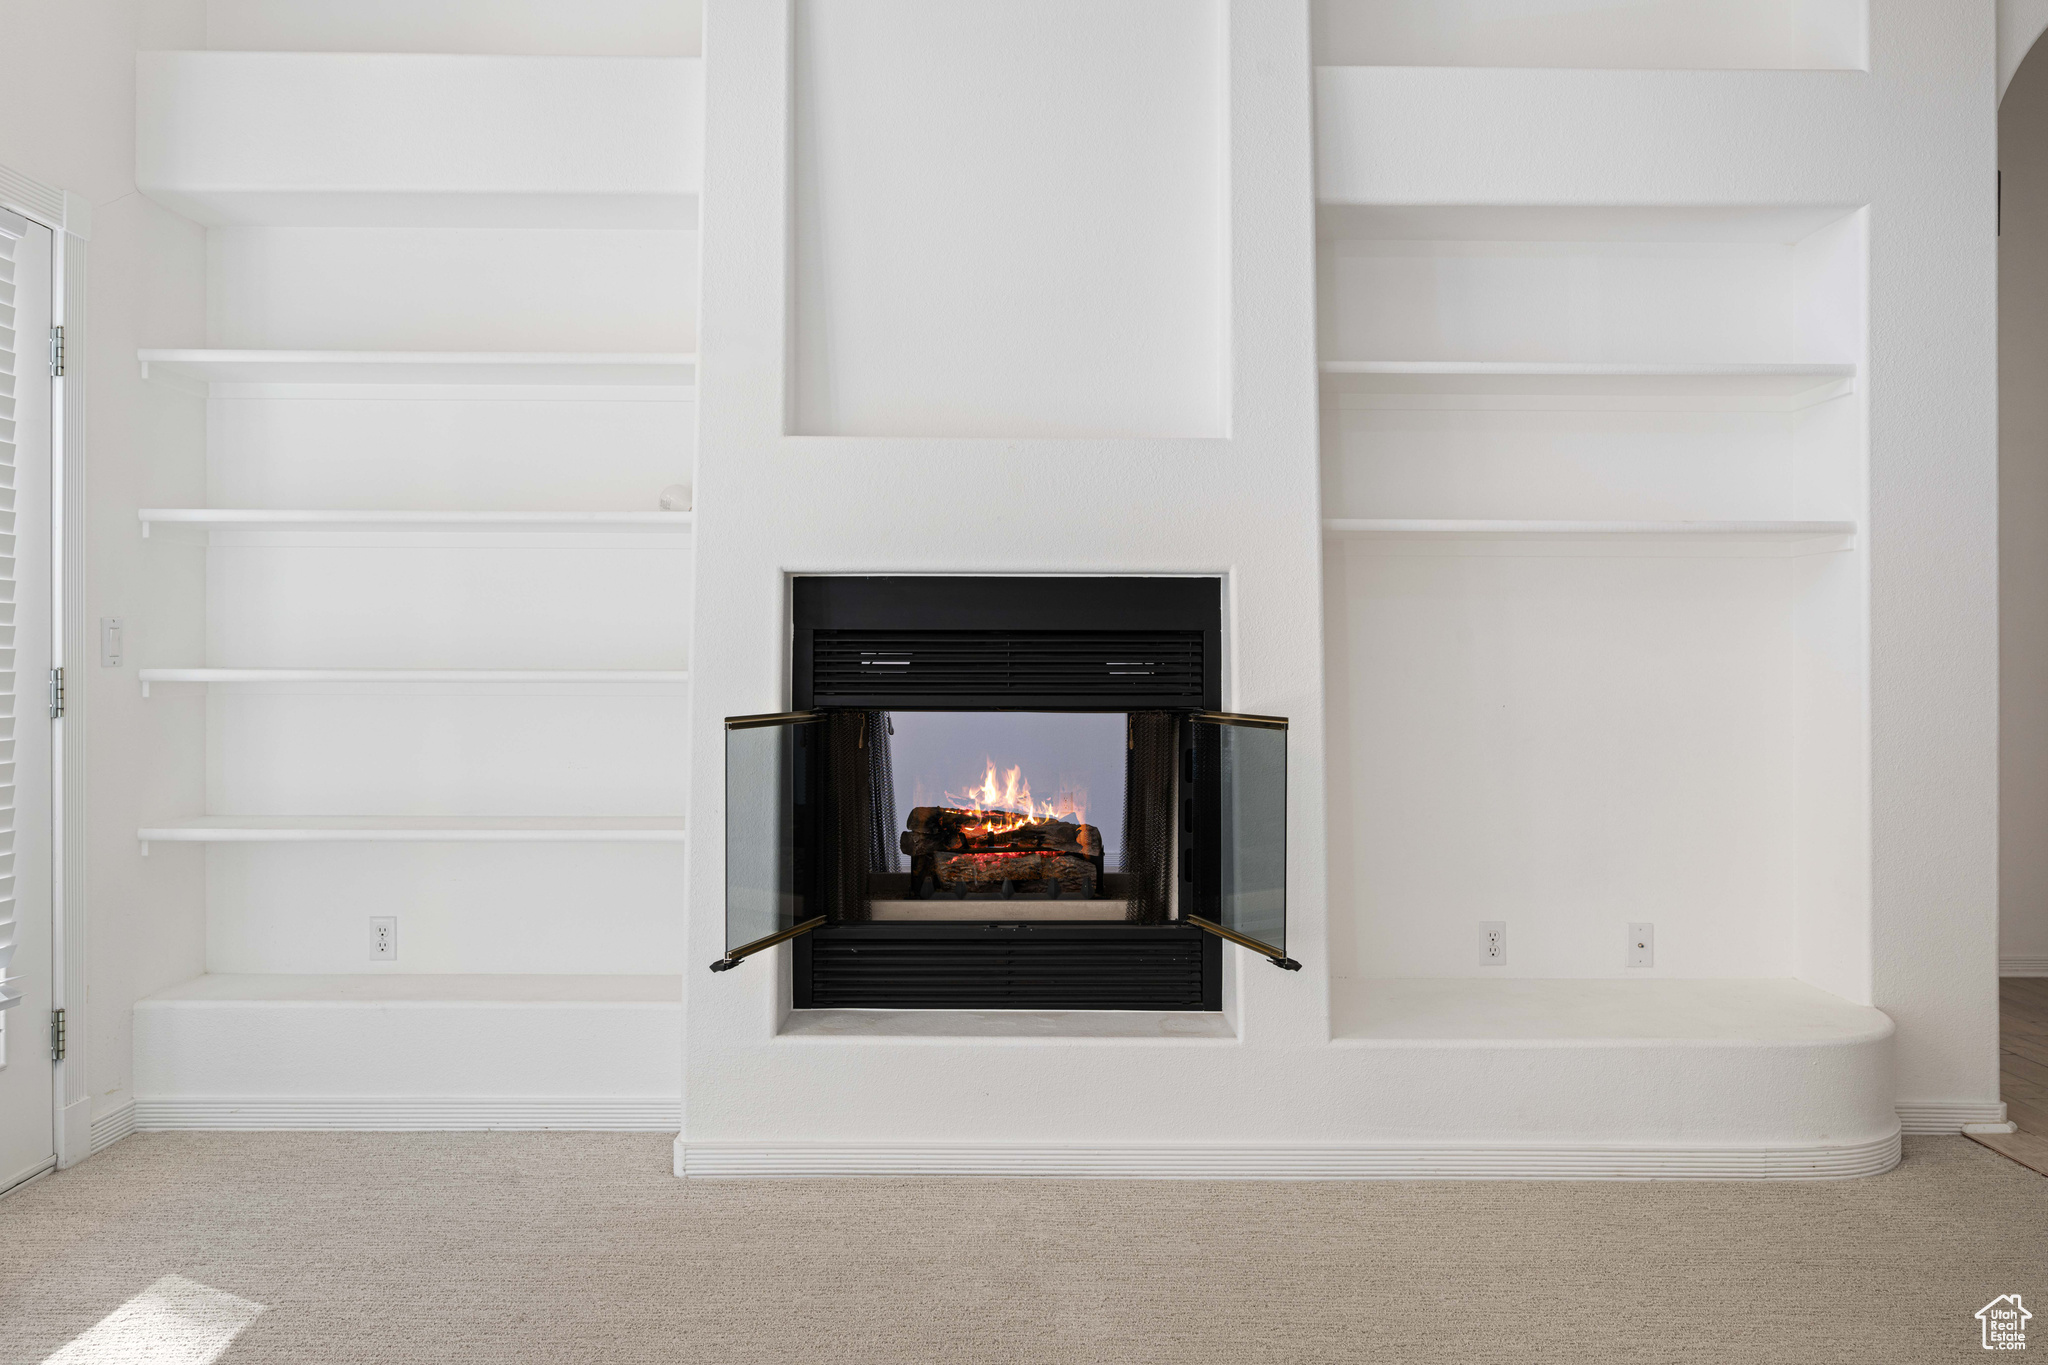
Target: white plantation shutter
(15, 358)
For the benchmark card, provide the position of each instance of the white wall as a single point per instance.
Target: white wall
(67, 100)
(2023, 509)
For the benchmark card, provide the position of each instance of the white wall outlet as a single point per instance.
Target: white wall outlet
(1494, 942)
(384, 938)
(1642, 945)
(110, 642)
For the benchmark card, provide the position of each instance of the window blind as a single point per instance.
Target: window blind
(14, 363)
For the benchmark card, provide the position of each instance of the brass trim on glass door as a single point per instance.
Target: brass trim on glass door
(773, 718)
(733, 958)
(1265, 950)
(1233, 718)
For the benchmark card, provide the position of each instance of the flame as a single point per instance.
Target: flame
(1005, 798)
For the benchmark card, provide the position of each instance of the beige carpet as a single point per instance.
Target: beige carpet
(582, 1247)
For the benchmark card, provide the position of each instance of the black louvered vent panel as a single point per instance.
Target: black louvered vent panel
(1014, 973)
(1118, 670)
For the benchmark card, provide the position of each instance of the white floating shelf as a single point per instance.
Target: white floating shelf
(1614, 537)
(352, 829)
(264, 519)
(1785, 386)
(1753, 224)
(673, 369)
(335, 139)
(455, 676)
(380, 988)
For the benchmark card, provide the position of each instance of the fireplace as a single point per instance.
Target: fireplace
(1006, 793)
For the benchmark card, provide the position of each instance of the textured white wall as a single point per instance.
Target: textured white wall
(67, 104)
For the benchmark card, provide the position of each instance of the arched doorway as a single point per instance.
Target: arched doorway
(2023, 576)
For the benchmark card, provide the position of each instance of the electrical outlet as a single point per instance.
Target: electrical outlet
(1494, 938)
(384, 938)
(1642, 945)
(110, 642)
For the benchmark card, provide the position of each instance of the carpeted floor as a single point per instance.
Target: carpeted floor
(401, 1248)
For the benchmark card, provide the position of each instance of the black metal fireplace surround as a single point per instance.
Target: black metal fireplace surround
(898, 896)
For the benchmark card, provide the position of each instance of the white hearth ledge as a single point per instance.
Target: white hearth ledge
(1305, 1161)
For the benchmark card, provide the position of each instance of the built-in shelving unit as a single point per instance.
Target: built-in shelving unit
(418, 367)
(448, 380)
(1592, 490)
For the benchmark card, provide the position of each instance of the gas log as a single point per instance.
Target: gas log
(982, 872)
(966, 851)
(1082, 840)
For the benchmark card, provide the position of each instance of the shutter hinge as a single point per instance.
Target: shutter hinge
(56, 693)
(57, 352)
(56, 1035)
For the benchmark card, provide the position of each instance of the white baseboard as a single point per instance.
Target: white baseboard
(1923, 1117)
(2023, 966)
(75, 1131)
(110, 1127)
(408, 1113)
(1416, 1161)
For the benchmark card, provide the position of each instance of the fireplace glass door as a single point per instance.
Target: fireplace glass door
(772, 818)
(921, 833)
(1234, 827)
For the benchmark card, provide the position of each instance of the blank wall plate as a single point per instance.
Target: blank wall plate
(1642, 945)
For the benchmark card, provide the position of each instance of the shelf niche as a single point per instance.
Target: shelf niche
(410, 139)
(1594, 587)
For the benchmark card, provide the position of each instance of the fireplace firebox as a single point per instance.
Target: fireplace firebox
(1006, 793)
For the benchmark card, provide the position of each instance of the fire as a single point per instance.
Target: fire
(1005, 798)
